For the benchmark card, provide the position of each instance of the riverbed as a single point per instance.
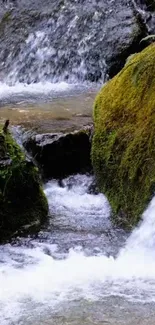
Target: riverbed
(61, 108)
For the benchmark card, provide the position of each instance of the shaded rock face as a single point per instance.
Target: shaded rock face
(146, 4)
(22, 201)
(123, 152)
(67, 40)
(59, 155)
(148, 13)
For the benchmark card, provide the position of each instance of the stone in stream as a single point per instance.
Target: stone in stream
(23, 204)
(123, 150)
(61, 154)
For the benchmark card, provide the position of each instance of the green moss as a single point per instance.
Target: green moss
(123, 150)
(22, 200)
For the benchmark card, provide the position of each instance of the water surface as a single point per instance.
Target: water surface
(80, 269)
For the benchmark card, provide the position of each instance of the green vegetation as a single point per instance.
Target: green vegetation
(22, 200)
(123, 150)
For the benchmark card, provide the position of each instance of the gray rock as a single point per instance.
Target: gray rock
(59, 155)
(67, 40)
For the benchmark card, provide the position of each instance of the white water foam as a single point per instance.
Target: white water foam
(41, 88)
(72, 205)
(32, 281)
(34, 72)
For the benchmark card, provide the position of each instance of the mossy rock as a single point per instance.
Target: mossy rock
(22, 201)
(123, 149)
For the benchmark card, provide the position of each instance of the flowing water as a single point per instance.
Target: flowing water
(79, 269)
(64, 113)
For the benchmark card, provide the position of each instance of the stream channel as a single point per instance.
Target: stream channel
(79, 269)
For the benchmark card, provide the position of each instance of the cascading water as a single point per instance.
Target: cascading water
(45, 43)
(78, 269)
(77, 258)
(49, 52)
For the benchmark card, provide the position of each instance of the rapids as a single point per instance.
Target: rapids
(78, 258)
(79, 269)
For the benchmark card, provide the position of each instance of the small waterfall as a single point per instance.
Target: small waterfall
(69, 41)
(72, 263)
(79, 256)
(65, 47)
(140, 246)
(39, 61)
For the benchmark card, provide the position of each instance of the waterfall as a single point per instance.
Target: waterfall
(79, 259)
(66, 41)
(74, 262)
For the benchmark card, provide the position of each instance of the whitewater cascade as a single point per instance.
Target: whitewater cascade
(79, 257)
(71, 41)
(74, 263)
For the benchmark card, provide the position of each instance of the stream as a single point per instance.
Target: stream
(79, 269)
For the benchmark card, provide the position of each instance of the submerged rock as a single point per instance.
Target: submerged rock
(59, 154)
(22, 201)
(123, 150)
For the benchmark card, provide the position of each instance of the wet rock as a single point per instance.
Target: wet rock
(90, 40)
(59, 155)
(146, 4)
(22, 201)
(93, 188)
(147, 11)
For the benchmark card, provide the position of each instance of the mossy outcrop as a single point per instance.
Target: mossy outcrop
(123, 150)
(22, 201)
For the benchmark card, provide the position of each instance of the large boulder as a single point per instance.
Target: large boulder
(67, 40)
(61, 154)
(123, 150)
(22, 201)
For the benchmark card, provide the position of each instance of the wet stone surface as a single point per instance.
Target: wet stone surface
(61, 154)
(67, 40)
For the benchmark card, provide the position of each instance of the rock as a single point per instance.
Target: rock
(125, 30)
(59, 154)
(147, 11)
(91, 39)
(146, 4)
(123, 154)
(22, 201)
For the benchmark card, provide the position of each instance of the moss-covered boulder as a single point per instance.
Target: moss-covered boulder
(22, 201)
(123, 150)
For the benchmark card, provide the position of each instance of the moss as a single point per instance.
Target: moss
(123, 150)
(22, 200)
